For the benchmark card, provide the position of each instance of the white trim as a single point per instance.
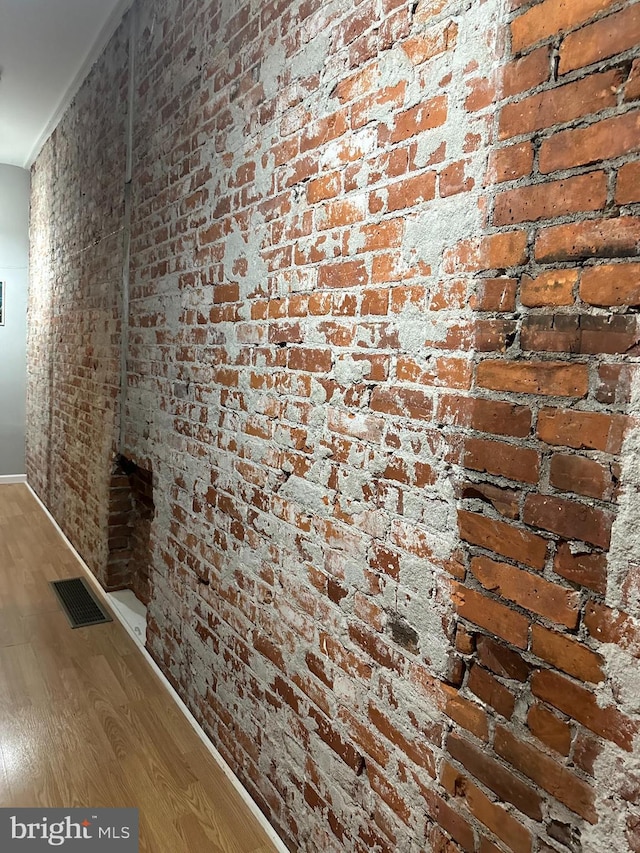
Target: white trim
(131, 611)
(228, 772)
(7, 479)
(111, 25)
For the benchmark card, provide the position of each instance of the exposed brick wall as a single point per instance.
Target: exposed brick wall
(75, 306)
(382, 354)
(566, 127)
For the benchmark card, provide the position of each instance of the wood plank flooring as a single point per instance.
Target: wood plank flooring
(84, 720)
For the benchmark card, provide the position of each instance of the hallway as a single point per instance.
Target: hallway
(320, 326)
(83, 719)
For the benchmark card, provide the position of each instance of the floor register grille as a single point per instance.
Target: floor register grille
(79, 603)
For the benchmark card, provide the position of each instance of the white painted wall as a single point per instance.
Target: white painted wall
(14, 263)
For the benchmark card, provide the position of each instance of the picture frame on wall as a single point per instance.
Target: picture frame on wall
(2, 304)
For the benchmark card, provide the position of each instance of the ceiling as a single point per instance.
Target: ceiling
(46, 49)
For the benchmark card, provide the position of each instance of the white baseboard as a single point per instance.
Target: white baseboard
(228, 772)
(6, 479)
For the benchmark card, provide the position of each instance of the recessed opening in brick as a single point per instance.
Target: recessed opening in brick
(131, 511)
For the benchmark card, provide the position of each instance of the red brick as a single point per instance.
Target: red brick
(501, 459)
(328, 186)
(363, 110)
(418, 473)
(381, 235)
(453, 180)
(554, 733)
(551, 776)
(427, 10)
(574, 333)
(465, 642)
(566, 654)
(388, 792)
(614, 382)
(582, 430)
(582, 476)
(417, 751)
(275, 371)
(226, 293)
(550, 288)
(487, 846)
(343, 274)
(552, 378)
(611, 285)
(433, 41)
(628, 183)
(376, 648)
(491, 692)
(335, 214)
(582, 705)
(503, 538)
(482, 94)
(491, 615)
(602, 238)
(375, 302)
(495, 251)
(586, 750)
(317, 666)
(365, 427)
(493, 335)
(287, 693)
(357, 84)
(492, 815)
(449, 294)
(493, 416)
(511, 163)
(588, 570)
(467, 714)
(453, 372)
(267, 648)
(367, 610)
(494, 294)
(447, 817)
(404, 296)
(324, 130)
(283, 333)
(371, 838)
(312, 360)
(363, 735)
(402, 402)
(496, 777)
(534, 593)
(613, 626)
(527, 72)
(335, 741)
(549, 200)
(608, 138)
(346, 660)
(551, 17)
(425, 116)
(569, 519)
(383, 559)
(563, 104)
(411, 191)
(616, 333)
(607, 37)
(632, 86)
(502, 660)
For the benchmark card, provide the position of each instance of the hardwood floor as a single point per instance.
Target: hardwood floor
(84, 720)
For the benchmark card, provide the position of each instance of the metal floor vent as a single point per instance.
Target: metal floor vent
(79, 603)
